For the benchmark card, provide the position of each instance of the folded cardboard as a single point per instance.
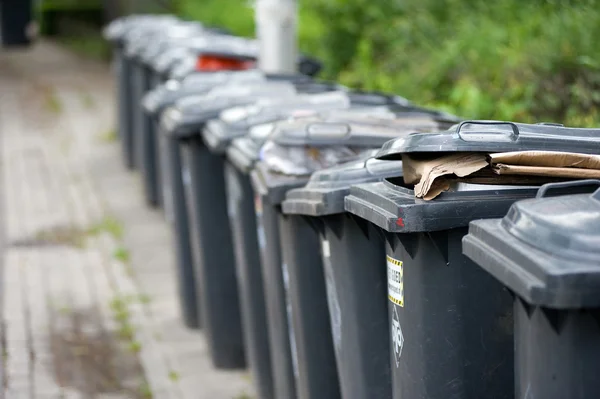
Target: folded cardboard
(432, 176)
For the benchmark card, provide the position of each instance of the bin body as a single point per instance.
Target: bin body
(546, 252)
(124, 69)
(353, 253)
(356, 295)
(175, 210)
(15, 18)
(309, 316)
(459, 327)
(213, 260)
(141, 85)
(242, 221)
(283, 344)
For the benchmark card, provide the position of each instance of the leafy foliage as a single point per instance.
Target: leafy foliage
(534, 60)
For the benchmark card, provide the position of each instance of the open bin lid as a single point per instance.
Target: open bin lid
(325, 192)
(298, 148)
(189, 114)
(496, 136)
(546, 250)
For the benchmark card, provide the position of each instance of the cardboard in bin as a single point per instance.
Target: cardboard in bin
(433, 176)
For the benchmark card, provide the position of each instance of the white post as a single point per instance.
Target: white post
(276, 22)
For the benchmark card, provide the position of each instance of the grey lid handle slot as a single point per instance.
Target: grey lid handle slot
(546, 188)
(490, 136)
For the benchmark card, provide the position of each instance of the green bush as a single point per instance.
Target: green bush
(534, 60)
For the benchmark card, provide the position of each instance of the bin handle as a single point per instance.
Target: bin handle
(481, 136)
(543, 191)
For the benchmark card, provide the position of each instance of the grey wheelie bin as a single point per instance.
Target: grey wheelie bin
(546, 252)
(292, 270)
(356, 291)
(215, 294)
(451, 332)
(134, 39)
(118, 33)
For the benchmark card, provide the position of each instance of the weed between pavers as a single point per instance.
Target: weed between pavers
(108, 225)
(109, 136)
(92, 360)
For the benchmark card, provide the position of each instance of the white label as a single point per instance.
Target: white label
(395, 275)
(260, 230)
(234, 192)
(288, 306)
(325, 247)
(166, 180)
(397, 336)
(335, 313)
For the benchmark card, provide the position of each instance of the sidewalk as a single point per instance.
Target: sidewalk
(89, 302)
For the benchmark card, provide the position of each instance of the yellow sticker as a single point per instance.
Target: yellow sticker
(395, 275)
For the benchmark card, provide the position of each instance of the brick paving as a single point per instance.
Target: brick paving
(87, 312)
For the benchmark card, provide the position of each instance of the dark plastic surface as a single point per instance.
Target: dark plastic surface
(175, 210)
(546, 252)
(355, 276)
(283, 344)
(309, 316)
(453, 336)
(213, 258)
(492, 136)
(396, 210)
(124, 102)
(242, 221)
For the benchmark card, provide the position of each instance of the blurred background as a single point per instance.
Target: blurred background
(506, 59)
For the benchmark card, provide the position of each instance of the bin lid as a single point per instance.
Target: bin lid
(296, 149)
(145, 34)
(243, 152)
(325, 191)
(120, 27)
(546, 250)
(198, 83)
(189, 114)
(496, 136)
(235, 122)
(170, 38)
(395, 209)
